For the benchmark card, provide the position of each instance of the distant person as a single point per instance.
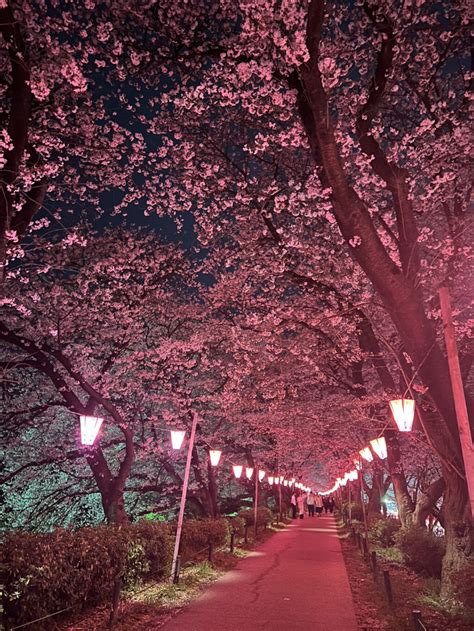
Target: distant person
(326, 504)
(300, 502)
(318, 504)
(293, 506)
(310, 503)
(332, 504)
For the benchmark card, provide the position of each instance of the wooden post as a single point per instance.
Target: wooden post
(177, 569)
(210, 551)
(417, 621)
(458, 393)
(373, 556)
(183, 498)
(232, 542)
(388, 586)
(246, 532)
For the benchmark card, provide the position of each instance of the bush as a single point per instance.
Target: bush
(264, 516)
(198, 533)
(383, 530)
(44, 573)
(357, 513)
(236, 525)
(463, 582)
(422, 551)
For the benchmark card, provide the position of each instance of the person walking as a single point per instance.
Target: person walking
(310, 502)
(331, 503)
(300, 503)
(293, 506)
(318, 504)
(326, 504)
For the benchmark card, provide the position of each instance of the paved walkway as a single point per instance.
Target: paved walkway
(295, 580)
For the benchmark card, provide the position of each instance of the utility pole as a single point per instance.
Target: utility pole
(255, 503)
(458, 392)
(183, 498)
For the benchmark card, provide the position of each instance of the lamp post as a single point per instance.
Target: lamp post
(183, 498)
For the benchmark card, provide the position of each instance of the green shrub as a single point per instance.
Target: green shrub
(198, 533)
(45, 573)
(356, 511)
(383, 530)
(264, 516)
(463, 582)
(422, 551)
(236, 525)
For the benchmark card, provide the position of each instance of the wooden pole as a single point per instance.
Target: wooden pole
(255, 507)
(183, 499)
(458, 392)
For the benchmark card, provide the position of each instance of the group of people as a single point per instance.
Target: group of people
(311, 503)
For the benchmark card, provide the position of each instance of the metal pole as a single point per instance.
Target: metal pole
(279, 501)
(255, 503)
(183, 497)
(458, 393)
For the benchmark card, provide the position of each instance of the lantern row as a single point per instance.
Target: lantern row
(403, 411)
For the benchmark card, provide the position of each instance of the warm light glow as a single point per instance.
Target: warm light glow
(261, 475)
(215, 456)
(248, 472)
(285, 482)
(353, 475)
(366, 454)
(357, 463)
(270, 480)
(90, 426)
(177, 437)
(403, 411)
(380, 447)
(237, 470)
(282, 477)
(276, 479)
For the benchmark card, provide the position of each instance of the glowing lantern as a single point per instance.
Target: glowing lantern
(366, 454)
(90, 426)
(403, 411)
(380, 447)
(248, 472)
(282, 477)
(353, 475)
(261, 475)
(276, 479)
(270, 480)
(237, 470)
(177, 437)
(357, 463)
(285, 482)
(215, 456)
(343, 481)
(292, 481)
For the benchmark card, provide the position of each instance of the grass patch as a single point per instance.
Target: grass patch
(390, 555)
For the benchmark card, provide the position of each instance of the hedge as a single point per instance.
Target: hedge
(264, 516)
(422, 551)
(46, 573)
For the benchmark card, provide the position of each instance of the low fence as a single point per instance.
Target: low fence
(244, 535)
(380, 575)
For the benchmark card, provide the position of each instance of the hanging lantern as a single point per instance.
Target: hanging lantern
(366, 454)
(403, 411)
(292, 482)
(354, 475)
(276, 479)
(215, 456)
(177, 437)
(261, 475)
(237, 468)
(380, 447)
(90, 426)
(285, 482)
(248, 472)
(357, 463)
(270, 480)
(282, 477)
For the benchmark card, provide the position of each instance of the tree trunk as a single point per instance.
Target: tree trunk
(426, 501)
(375, 493)
(459, 534)
(402, 496)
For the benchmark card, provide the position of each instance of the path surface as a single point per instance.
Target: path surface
(295, 580)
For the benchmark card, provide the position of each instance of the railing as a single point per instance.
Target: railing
(380, 575)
